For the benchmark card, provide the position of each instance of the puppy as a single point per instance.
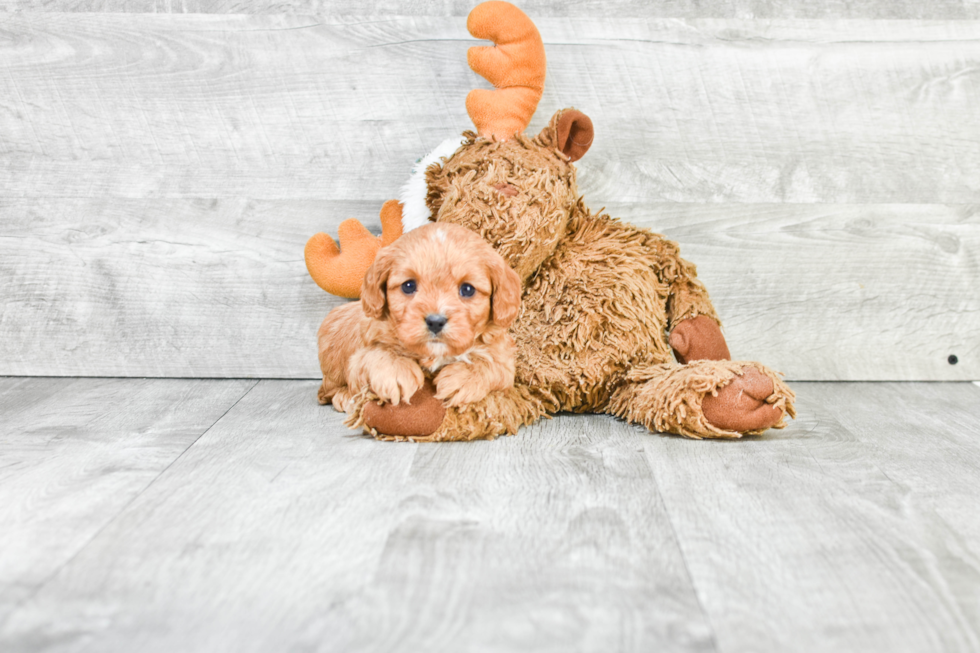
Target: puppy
(440, 299)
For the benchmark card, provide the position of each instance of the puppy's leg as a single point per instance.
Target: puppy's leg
(393, 378)
(338, 338)
(328, 391)
(489, 368)
(465, 383)
(341, 399)
(336, 396)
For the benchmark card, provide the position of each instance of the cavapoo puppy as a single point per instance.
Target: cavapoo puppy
(438, 300)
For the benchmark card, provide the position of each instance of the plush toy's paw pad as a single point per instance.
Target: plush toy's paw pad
(422, 417)
(741, 405)
(698, 338)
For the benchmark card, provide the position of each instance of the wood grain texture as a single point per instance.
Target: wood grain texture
(281, 530)
(218, 288)
(854, 529)
(837, 292)
(555, 540)
(904, 9)
(160, 288)
(707, 110)
(74, 453)
(254, 540)
(159, 175)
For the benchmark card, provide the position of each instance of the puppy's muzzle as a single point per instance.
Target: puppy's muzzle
(435, 322)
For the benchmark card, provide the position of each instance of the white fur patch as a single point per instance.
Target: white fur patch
(438, 351)
(415, 213)
(438, 365)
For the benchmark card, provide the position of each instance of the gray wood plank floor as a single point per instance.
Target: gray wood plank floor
(181, 515)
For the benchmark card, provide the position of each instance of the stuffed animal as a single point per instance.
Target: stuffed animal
(604, 303)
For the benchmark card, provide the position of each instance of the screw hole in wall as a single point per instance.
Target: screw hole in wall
(953, 360)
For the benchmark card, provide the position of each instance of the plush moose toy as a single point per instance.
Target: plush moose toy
(604, 303)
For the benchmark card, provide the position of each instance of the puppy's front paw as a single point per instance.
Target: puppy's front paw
(459, 384)
(396, 381)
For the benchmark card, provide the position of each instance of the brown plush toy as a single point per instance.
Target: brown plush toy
(604, 303)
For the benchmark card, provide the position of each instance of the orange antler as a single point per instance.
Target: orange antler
(515, 65)
(340, 271)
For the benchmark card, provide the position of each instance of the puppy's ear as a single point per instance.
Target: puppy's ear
(505, 300)
(374, 290)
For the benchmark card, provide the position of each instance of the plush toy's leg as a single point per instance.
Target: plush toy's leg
(705, 399)
(501, 412)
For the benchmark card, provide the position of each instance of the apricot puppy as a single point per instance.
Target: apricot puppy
(438, 300)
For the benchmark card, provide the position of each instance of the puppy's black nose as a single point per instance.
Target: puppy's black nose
(435, 322)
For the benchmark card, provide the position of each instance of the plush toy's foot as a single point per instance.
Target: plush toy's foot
(741, 405)
(705, 399)
(502, 412)
(419, 418)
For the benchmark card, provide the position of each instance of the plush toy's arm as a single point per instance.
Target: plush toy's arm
(695, 330)
(340, 271)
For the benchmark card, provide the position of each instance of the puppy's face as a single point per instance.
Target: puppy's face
(440, 286)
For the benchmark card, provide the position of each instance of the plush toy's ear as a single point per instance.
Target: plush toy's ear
(573, 133)
(374, 290)
(505, 300)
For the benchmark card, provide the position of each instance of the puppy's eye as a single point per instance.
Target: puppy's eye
(409, 287)
(466, 290)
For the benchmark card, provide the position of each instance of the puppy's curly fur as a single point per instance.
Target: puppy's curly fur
(437, 301)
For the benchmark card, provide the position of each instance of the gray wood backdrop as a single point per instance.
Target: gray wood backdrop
(162, 164)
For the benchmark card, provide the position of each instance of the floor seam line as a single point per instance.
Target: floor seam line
(680, 549)
(20, 604)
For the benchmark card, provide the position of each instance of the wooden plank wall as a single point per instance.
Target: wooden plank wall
(162, 164)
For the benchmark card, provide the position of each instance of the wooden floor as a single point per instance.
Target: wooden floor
(238, 515)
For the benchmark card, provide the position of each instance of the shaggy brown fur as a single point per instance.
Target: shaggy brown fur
(600, 299)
